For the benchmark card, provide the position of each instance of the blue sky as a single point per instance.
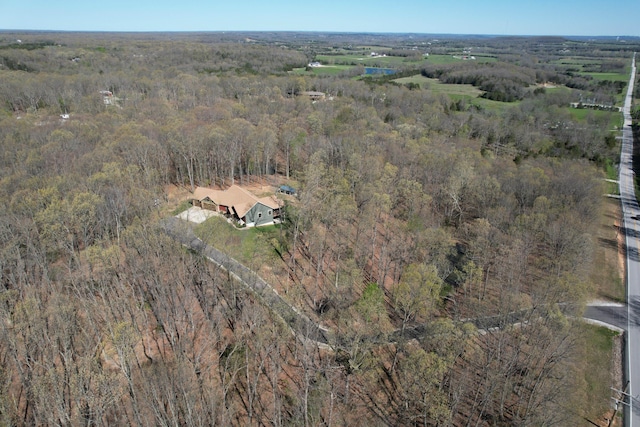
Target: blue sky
(517, 17)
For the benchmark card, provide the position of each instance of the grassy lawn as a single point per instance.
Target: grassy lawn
(252, 247)
(581, 114)
(491, 105)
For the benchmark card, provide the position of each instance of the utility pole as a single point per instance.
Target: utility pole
(623, 394)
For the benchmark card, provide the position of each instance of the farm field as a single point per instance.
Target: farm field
(614, 77)
(336, 64)
(377, 61)
(325, 70)
(577, 61)
(583, 114)
(455, 58)
(437, 87)
(457, 92)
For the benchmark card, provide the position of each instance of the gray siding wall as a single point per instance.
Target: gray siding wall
(253, 216)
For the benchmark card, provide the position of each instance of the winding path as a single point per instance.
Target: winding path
(303, 327)
(609, 315)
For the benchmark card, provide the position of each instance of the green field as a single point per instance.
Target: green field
(576, 62)
(615, 77)
(336, 64)
(365, 60)
(435, 86)
(451, 59)
(467, 92)
(584, 64)
(327, 70)
(581, 114)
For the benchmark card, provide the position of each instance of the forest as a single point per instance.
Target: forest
(447, 243)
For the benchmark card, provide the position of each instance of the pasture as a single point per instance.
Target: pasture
(452, 59)
(367, 60)
(614, 77)
(435, 86)
(325, 70)
(456, 92)
(575, 62)
(584, 114)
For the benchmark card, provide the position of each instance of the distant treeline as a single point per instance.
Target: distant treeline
(500, 81)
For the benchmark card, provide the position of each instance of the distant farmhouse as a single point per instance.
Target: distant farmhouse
(239, 204)
(108, 98)
(313, 95)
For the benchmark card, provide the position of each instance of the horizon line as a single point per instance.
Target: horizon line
(10, 30)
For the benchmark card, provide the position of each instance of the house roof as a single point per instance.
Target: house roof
(312, 93)
(201, 193)
(236, 197)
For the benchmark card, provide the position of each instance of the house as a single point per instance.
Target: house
(313, 95)
(237, 203)
(107, 97)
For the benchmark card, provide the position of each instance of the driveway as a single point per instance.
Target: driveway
(196, 215)
(300, 324)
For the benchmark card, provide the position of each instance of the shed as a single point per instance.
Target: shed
(287, 190)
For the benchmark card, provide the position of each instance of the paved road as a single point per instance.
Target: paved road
(611, 314)
(631, 226)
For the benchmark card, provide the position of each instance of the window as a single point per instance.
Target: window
(270, 212)
(259, 214)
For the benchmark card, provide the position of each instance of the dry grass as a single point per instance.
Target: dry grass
(608, 262)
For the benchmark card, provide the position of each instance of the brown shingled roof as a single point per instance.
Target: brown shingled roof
(236, 197)
(271, 202)
(201, 193)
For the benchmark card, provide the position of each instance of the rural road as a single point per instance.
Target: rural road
(608, 314)
(631, 227)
